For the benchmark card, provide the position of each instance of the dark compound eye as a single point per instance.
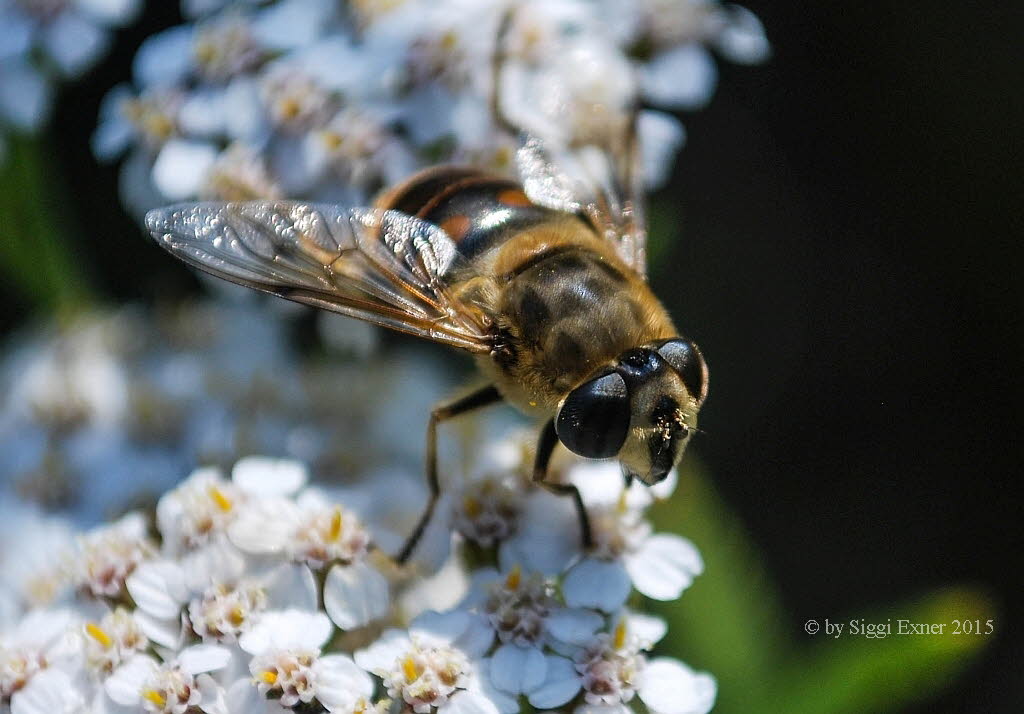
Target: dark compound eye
(684, 357)
(594, 418)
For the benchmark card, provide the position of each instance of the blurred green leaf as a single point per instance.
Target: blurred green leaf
(35, 254)
(730, 623)
(853, 674)
(662, 232)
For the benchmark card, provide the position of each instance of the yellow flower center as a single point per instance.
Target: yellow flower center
(514, 578)
(155, 697)
(471, 506)
(269, 676)
(410, 670)
(222, 501)
(619, 639)
(336, 523)
(99, 635)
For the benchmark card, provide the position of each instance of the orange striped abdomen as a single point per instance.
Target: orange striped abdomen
(476, 209)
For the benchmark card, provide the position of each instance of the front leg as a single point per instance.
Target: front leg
(545, 446)
(480, 398)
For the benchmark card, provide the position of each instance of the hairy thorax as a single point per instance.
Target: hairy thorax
(565, 306)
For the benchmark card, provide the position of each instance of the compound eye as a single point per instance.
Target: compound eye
(594, 418)
(684, 357)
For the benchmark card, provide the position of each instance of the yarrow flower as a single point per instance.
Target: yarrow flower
(45, 41)
(217, 615)
(297, 99)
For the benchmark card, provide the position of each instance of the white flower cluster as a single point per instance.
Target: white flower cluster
(109, 409)
(323, 100)
(261, 593)
(44, 41)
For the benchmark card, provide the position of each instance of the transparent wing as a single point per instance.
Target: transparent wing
(603, 183)
(384, 267)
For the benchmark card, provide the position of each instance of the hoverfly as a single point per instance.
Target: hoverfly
(543, 280)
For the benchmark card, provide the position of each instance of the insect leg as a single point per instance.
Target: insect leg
(546, 445)
(480, 398)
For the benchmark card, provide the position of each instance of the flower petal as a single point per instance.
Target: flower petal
(355, 595)
(597, 584)
(158, 588)
(668, 686)
(516, 669)
(262, 476)
(25, 95)
(743, 40)
(664, 566)
(683, 77)
(203, 658)
(180, 167)
(291, 585)
(560, 685)
(340, 682)
(380, 656)
(124, 686)
(287, 630)
(466, 702)
(648, 629)
(50, 691)
(74, 43)
(440, 627)
(573, 625)
(164, 58)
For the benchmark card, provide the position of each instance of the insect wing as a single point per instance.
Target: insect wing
(384, 267)
(604, 184)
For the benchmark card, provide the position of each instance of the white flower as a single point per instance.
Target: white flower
(239, 174)
(39, 653)
(35, 550)
(332, 106)
(583, 98)
(149, 119)
(197, 512)
(211, 593)
(172, 687)
(612, 669)
(50, 691)
(317, 533)
(287, 663)
(42, 41)
(659, 565)
(112, 641)
(72, 381)
(435, 665)
(109, 554)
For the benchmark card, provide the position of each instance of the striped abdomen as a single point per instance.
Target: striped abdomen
(476, 209)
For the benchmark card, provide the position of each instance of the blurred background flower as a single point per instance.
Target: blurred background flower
(43, 42)
(311, 99)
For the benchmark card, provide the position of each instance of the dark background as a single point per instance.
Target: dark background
(848, 258)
